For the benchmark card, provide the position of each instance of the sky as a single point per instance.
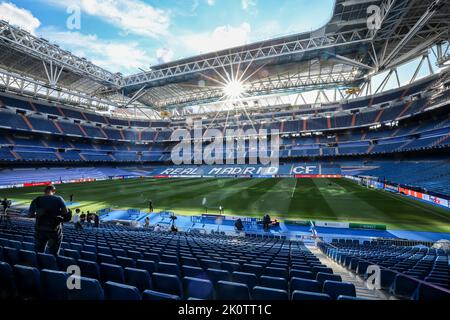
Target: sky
(129, 35)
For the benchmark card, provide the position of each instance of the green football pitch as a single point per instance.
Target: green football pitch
(302, 199)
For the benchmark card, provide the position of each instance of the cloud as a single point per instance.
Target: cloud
(116, 56)
(268, 30)
(19, 17)
(132, 16)
(247, 4)
(211, 2)
(164, 55)
(222, 37)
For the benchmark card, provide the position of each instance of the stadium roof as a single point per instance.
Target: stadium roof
(344, 53)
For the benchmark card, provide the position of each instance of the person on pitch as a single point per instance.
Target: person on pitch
(150, 206)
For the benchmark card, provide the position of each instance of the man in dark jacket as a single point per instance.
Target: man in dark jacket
(50, 212)
(96, 220)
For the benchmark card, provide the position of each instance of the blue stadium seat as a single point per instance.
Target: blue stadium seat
(169, 268)
(118, 291)
(71, 253)
(76, 246)
(353, 264)
(322, 277)
(112, 272)
(151, 295)
(65, 262)
(337, 288)
(306, 285)
(104, 250)
(54, 285)
(231, 266)
(89, 269)
(252, 268)
(273, 282)
(276, 272)
(426, 292)
(152, 257)
(125, 262)
(216, 275)
(263, 293)
(89, 256)
(298, 267)
(15, 244)
(106, 258)
(387, 278)
(210, 264)
(47, 261)
(11, 255)
(27, 281)
(65, 245)
(119, 252)
(190, 261)
(310, 296)
(138, 278)
(29, 246)
(193, 272)
(90, 248)
(403, 286)
(361, 268)
(150, 266)
(350, 298)
(7, 285)
(316, 270)
(135, 255)
(28, 258)
(249, 279)
(198, 288)
(169, 259)
(2, 257)
(232, 291)
(167, 283)
(90, 290)
(301, 274)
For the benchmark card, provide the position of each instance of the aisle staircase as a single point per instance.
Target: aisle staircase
(360, 285)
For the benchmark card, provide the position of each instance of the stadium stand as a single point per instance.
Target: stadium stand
(407, 272)
(258, 269)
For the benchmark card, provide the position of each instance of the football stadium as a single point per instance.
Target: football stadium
(313, 165)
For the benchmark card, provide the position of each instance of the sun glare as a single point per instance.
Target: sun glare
(234, 90)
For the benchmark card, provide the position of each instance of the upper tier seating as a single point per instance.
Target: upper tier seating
(19, 176)
(381, 108)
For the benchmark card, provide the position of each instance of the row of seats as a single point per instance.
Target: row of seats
(273, 278)
(406, 272)
(29, 283)
(180, 264)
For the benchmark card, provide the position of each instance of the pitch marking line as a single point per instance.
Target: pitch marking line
(293, 189)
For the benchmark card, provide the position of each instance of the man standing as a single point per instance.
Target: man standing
(4, 217)
(96, 220)
(150, 206)
(50, 212)
(76, 220)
